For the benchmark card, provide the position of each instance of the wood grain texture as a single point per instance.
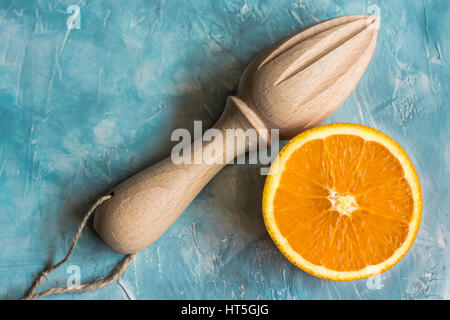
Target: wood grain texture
(146, 205)
(294, 85)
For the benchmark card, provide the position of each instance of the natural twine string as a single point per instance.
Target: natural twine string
(113, 276)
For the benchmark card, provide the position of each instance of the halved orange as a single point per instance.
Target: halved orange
(342, 202)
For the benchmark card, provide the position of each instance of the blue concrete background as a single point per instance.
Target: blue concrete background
(81, 110)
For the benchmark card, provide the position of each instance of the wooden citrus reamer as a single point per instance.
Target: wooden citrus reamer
(292, 86)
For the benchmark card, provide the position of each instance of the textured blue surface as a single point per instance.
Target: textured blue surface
(81, 110)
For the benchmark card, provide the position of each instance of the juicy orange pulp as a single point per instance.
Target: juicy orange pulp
(342, 203)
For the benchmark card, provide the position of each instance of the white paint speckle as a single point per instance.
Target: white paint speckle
(375, 282)
(104, 131)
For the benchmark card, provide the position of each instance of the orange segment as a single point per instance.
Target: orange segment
(345, 242)
(382, 236)
(342, 202)
(345, 152)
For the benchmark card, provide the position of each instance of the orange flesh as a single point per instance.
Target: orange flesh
(343, 202)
